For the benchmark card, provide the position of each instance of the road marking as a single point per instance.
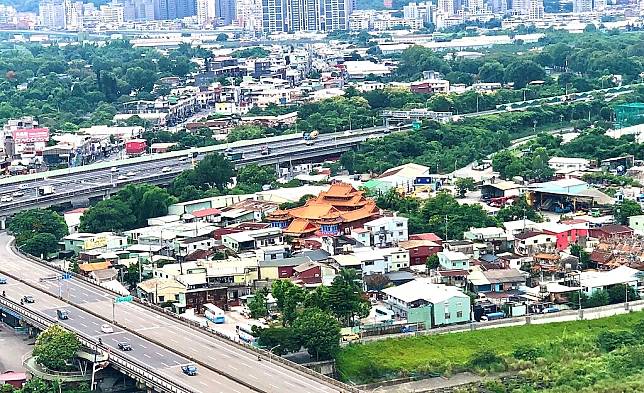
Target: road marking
(83, 325)
(159, 354)
(147, 356)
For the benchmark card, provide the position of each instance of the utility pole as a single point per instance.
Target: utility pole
(445, 227)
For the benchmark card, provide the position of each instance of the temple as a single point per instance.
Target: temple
(331, 213)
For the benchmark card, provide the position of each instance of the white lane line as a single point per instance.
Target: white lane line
(159, 354)
(147, 356)
(83, 325)
(233, 367)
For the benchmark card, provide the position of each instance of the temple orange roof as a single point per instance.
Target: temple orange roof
(340, 190)
(300, 226)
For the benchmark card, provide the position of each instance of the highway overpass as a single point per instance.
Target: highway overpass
(161, 342)
(78, 184)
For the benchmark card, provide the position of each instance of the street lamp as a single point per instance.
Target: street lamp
(270, 353)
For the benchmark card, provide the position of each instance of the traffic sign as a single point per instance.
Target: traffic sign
(66, 276)
(123, 299)
(416, 125)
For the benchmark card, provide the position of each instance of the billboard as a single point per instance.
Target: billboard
(30, 135)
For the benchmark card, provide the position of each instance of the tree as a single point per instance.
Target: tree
(376, 282)
(432, 262)
(40, 245)
(521, 72)
(110, 215)
(252, 177)
(28, 223)
(240, 133)
(626, 209)
(55, 348)
(141, 79)
(492, 72)
(214, 171)
(287, 296)
(319, 333)
(464, 184)
(518, 210)
(146, 201)
(317, 298)
(222, 37)
(258, 304)
(346, 298)
(598, 298)
(281, 340)
(617, 293)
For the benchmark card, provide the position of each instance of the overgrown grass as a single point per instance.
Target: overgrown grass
(448, 353)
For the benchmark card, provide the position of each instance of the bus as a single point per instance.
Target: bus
(214, 313)
(245, 334)
(383, 314)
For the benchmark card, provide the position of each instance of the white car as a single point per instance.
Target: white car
(131, 173)
(122, 177)
(6, 198)
(114, 169)
(166, 169)
(18, 194)
(105, 328)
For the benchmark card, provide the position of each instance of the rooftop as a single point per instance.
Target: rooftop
(424, 289)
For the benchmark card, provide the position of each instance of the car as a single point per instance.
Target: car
(62, 314)
(50, 277)
(28, 299)
(105, 328)
(6, 198)
(114, 169)
(131, 173)
(122, 177)
(123, 346)
(189, 369)
(18, 194)
(166, 169)
(3, 280)
(347, 338)
(228, 150)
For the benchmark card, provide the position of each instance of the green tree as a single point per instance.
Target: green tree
(492, 72)
(110, 215)
(288, 297)
(317, 298)
(521, 72)
(517, 211)
(598, 298)
(240, 133)
(28, 223)
(258, 305)
(141, 79)
(252, 177)
(464, 184)
(40, 244)
(319, 333)
(222, 37)
(617, 293)
(376, 282)
(214, 171)
(432, 262)
(346, 298)
(627, 208)
(281, 340)
(55, 348)
(146, 201)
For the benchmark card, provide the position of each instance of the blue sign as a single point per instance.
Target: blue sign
(66, 276)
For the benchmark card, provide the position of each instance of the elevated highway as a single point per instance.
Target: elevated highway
(161, 342)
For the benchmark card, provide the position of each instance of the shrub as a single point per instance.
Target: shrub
(527, 352)
(611, 340)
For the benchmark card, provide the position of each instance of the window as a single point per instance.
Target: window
(459, 314)
(447, 316)
(161, 299)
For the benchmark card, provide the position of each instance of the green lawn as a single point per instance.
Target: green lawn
(447, 353)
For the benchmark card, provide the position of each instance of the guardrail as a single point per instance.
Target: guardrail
(137, 371)
(196, 326)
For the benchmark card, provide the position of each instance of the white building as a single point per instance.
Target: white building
(375, 260)
(52, 14)
(568, 163)
(387, 231)
(592, 281)
(453, 260)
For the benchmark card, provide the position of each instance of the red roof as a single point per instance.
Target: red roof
(78, 210)
(426, 236)
(453, 273)
(206, 212)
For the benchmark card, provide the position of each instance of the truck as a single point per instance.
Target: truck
(234, 156)
(45, 190)
(309, 136)
(493, 316)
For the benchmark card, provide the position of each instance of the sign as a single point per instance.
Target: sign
(96, 242)
(123, 299)
(30, 135)
(416, 125)
(66, 276)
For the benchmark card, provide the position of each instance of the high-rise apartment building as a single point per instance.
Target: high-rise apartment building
(445, 7)
(249, 15)
(174, 9)
(225, 10)
(581, 6)
(305, 15)
(52, 14)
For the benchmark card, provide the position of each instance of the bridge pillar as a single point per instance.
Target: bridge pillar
(3, 222)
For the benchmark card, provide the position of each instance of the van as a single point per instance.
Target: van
(62, 314)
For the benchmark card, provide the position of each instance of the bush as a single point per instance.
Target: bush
(486, 360)
(527, 352)
(611, 340)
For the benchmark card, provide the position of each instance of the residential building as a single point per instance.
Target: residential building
(387, 231)
(420, 250)
(496, 284)
(611, 232)
(78, 242)
(252, 240)
(430, 84)
(566, 234)
(52, 14)
(225, 11)
(292, 16)
(160, 290)
(276, 269)
(186, 246)
(174, 9)
(533, 242)
(495, 237)
(568, 163)
(453, 260)
(312, 274)
(592, 281)
(421, 300)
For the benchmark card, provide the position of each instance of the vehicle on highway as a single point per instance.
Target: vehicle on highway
(166, 169)
(6, 198)
(28, 299)
(3, 280)
(45, 190)
(189, 369)
(18, 194)
(228, 150)
(123, 346)
(114, 169)
(122, 177)
(310, 135)
(49, 277)
(62, 314)
(131, 173)
(105, 328)
(265, 150)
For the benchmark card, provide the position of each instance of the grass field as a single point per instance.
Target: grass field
(448, 353)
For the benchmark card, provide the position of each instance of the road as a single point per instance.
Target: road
(103, 176)
(151, 329)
